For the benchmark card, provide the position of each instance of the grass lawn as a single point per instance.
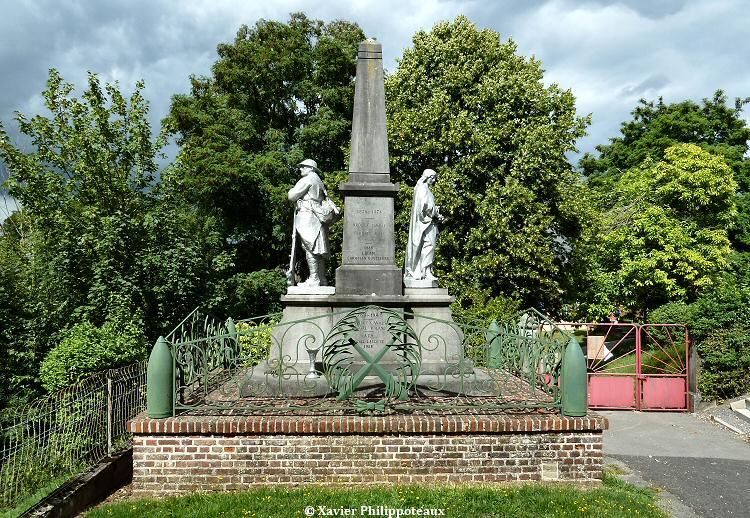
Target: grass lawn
(613, 498)
(655, 361)
(32, 499)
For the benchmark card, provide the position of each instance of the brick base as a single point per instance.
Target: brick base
(193, 455)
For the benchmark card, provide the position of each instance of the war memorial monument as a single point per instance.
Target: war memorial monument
(368, 277)
(369, 380)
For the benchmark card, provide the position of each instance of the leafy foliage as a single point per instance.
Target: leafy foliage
(664, 237)
(278, 93)
(725, 362)
(718, 322)
(675, 313)
(96, 236)
(656, 126)
(13, 314)
(714, 126)
(255, 293)
(86, 348)
(464, 103)
(256, 340)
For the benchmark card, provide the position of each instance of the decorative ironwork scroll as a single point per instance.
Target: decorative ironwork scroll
(344, 353)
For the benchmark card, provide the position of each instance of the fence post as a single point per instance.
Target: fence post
(110, 415)
(574, 381)
(160, 381)
(234, 348)
(492, 335)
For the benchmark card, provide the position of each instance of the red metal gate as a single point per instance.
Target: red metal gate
(636, 367)
(663, 367)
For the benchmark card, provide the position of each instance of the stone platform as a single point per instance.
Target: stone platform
(309, 318)
(221, 453)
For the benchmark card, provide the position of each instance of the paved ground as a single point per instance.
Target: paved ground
(705, 466)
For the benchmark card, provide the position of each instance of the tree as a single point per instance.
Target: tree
(665, 238)
(464, 103)
(15, 370)
(713, 125)
(278, 93)
(96, 236)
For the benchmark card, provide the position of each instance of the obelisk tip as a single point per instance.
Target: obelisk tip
(370, 46)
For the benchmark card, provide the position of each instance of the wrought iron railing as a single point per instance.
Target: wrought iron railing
(367, 359)
(60, 435)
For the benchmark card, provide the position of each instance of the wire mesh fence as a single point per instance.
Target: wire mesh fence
(63, 433)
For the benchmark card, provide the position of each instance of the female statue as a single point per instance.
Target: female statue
(423, 231)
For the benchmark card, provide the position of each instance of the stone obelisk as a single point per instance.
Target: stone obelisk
(369, 264)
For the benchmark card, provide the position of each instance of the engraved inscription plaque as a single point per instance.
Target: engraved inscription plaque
(373, 333)
(368, 231)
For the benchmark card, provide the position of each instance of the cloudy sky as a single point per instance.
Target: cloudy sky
(609, 53)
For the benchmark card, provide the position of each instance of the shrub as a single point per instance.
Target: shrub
(478, 307)
(674, 313)
(718, 322)
(250, 294)
(255, 341)
(86, 348)
(726, 363)
(723, 308)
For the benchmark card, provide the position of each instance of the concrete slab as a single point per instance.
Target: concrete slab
(669, 434)
(702, 464)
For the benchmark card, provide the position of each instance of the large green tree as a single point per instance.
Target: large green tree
(464, 103)
(279, 92)
(664, 238)
(96, 240)
(714, 125)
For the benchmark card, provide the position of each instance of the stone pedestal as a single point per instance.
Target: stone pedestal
(441, 338)
(308, 319)
(369, 256)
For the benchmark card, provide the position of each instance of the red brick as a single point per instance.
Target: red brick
(476, 449)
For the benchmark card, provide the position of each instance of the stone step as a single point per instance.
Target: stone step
(741, 408)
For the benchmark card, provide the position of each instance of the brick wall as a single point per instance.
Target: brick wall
(246, 453)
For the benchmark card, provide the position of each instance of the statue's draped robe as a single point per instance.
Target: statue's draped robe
(420, 251)
(309, 193)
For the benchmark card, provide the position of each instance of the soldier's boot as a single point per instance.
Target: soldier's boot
(321, 269)
(313, 266)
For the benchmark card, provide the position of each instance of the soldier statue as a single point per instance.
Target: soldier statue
(314, 213)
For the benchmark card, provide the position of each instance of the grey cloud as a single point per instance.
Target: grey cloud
(651, 8)
(119, 40)
(608, 53)
(648, 87)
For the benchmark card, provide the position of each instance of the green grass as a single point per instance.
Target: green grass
(654, 361)
(613, 498)
(33, 499)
